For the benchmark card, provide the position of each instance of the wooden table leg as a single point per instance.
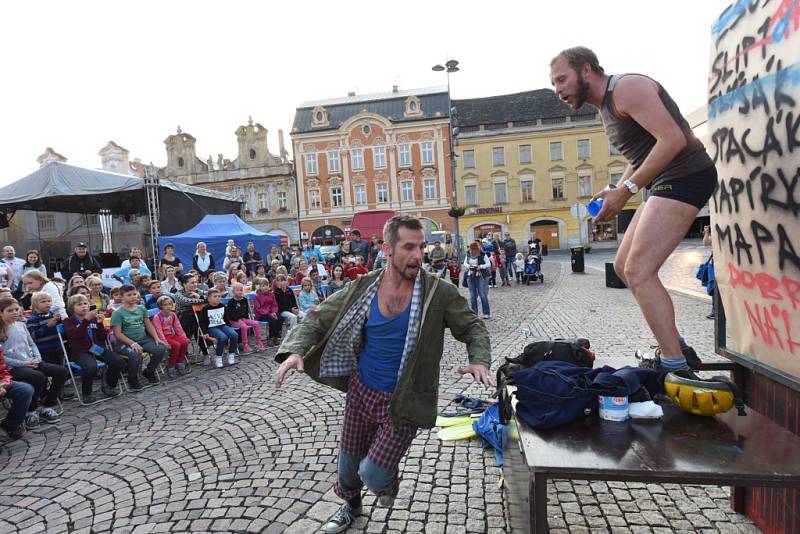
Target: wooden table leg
(539, 504)
(737, 499)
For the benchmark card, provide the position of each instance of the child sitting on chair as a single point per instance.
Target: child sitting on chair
(219, 327)
(238, 310)
(307, 300)
(287, 302)
(171, 333)
(87, 343)
(153, 294)
(266, 309)
(42, 328)
(26, 365)
(135, 335)
(116, 301)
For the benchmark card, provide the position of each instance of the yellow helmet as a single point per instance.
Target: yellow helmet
(702, 397)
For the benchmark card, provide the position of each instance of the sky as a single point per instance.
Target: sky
(78, 74)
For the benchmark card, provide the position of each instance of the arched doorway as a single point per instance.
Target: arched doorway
(327, 235)
(548, 230)
(485, 229)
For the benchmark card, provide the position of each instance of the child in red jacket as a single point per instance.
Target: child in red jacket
(265, 309)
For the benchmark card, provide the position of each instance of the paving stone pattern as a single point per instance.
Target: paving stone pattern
(223, 451)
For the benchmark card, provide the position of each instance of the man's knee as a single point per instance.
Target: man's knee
(619, 268)
(634, 275)
(376, 478)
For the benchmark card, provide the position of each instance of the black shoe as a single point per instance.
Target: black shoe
(89, 399)
(342, 519)
(150, 376)
(710, 316)
(135, 387)
(13, 433)
(108, 391)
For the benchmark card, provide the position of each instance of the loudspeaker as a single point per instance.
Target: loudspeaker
(577, 260)
(612, 280)
(109, 259)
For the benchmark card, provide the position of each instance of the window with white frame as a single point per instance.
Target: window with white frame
(500, 196)
(314, 199)
(584, 184)
(337, 199)
(558, 186)
(525, 154)
(262, 201)
(358, 159)
(282, 200)
(427, 152)
(471, 195)
(311, 164)
(379, 157)
(333, 161)
(360, 194)
(47, 221)
(468, 157)
(382, 192)
(584, 149)
(404, 154)
(429, 187)
(556, 153)
(614, 176)
(407, 191)
(612, 150)
(498, 156)
(526, 188)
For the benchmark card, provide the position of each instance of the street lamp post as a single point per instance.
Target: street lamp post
(452, 66)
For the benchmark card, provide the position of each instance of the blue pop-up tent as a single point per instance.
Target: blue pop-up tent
(214, 231)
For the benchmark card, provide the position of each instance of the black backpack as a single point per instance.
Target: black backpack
(575, 351)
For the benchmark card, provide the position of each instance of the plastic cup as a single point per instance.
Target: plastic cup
(594, 207)
(107, 322)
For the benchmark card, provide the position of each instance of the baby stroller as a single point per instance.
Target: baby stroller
(533, 270)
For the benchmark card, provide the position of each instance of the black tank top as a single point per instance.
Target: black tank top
(635, 142)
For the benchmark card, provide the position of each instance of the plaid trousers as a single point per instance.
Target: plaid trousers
(368, 434)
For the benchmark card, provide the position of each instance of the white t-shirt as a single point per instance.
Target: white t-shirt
(216, 317)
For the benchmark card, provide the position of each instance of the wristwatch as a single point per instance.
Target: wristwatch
(632, 187)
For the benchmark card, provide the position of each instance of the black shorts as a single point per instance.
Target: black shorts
(694, 189)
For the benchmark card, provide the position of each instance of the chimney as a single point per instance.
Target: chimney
(281, 149)
(394, 88)
(351, 93)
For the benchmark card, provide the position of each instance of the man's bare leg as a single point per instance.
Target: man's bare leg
(662, 225)
(625, 247)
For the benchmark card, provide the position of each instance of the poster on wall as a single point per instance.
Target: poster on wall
(754, 122)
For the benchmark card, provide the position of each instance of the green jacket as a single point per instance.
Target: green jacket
(415, 397)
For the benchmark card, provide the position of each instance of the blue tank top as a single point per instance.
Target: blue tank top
(379, 362)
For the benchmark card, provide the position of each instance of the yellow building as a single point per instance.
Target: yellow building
(525, 160)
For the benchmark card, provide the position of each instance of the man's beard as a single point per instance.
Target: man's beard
(401, 271)
(583, 92)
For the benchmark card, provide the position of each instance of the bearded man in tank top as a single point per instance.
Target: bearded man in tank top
(646, 126)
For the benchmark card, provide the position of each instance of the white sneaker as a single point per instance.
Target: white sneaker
(231, 359)
(207, 361)
(218, 362)
(49, 415)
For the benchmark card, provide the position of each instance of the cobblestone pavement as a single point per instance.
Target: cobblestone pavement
(224, 451)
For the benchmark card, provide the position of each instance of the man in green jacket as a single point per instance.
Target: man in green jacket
(381, 339)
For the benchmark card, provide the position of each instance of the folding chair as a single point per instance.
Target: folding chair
(75, 369)
(161, 366)
(209, 340)
(251, 297)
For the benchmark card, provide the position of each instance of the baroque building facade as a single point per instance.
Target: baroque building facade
(383, 151)
(526, 160)
(264, 181)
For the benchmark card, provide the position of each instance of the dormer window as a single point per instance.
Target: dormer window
(413, 107)
(319, 117)
(180, 162)
(252, 153)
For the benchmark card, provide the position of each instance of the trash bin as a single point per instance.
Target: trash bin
(577, 259)
(612, 280)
